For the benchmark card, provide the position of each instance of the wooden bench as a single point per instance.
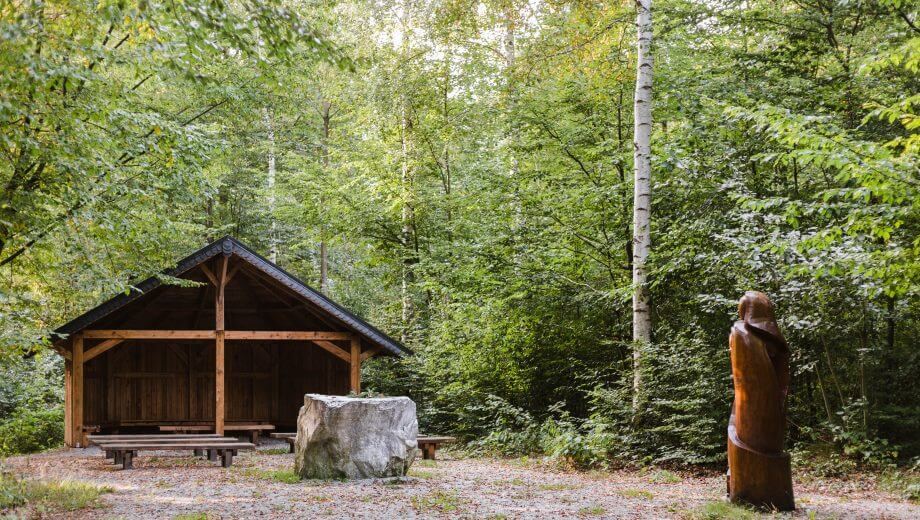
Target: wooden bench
(428, 445)
(291, 438)
(123, 448)
(253, 430)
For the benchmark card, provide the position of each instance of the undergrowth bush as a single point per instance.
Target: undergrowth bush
(32, 430)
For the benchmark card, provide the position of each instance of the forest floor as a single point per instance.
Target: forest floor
(261, 484)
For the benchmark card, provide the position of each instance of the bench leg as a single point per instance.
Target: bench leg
(428, 451)
(254, 437)
(227, 458)
(109, 454)
(199, 453)
(212, 455)
(291, 444)
(127, 460)
(117, 456)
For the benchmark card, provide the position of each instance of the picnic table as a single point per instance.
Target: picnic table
(251, 429)
(428, 444)
(123, 448)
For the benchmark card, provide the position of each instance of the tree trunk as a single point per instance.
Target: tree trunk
(406, 179)
(642, 325)
(268, 118)
(325, 108)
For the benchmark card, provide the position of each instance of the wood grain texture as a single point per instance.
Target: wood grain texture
(355, 366)
(78, 396)
(759, 471)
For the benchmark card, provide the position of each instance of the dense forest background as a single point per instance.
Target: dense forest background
(460, 173)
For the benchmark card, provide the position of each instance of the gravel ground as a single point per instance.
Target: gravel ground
(164, 485)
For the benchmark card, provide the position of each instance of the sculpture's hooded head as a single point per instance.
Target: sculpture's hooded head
(756, 310)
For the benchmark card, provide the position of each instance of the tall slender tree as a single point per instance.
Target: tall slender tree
(642, 167)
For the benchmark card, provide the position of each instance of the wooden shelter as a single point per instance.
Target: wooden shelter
(243, 344)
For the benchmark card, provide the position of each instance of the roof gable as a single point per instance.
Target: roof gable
(229, 246)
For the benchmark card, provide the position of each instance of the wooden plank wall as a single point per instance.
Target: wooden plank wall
(166, 382)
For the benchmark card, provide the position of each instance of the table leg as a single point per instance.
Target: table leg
(227, 458)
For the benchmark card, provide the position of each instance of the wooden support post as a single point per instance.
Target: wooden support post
(356, 365)
(77, 384)
(219, 386)
(68, 402)
(219, 412)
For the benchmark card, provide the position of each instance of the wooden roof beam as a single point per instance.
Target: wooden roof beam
(262, 335)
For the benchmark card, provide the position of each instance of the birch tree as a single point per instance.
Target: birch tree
(642, 325)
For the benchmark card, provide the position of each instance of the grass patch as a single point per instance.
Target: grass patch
(284, 476)
(594, 510)
(274, 451)
(66, 495)
(721, 510)
(663, 476)
(192, 516)
(556, 487)
(426, 463)
(420, 473)
(636, 493)
(444, 501)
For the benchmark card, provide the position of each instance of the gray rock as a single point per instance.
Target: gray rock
(349, 437)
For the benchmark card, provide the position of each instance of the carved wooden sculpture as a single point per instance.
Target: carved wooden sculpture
(759, 472)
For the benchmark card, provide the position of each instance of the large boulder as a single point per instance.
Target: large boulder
(349, 437)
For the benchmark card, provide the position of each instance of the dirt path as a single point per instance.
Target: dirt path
(167, 485)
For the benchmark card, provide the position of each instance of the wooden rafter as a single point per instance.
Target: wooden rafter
(101, 348)
(334, 349)
(207, 272)
(367, 354)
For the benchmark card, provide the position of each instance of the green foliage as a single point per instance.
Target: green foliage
(32, 430)
(31, 414)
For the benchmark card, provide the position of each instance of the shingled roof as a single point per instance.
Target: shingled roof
(229, 246)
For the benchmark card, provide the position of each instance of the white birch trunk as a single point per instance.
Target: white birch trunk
(642, 325)
(406, 174)
(268, 119)
(325, 107)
